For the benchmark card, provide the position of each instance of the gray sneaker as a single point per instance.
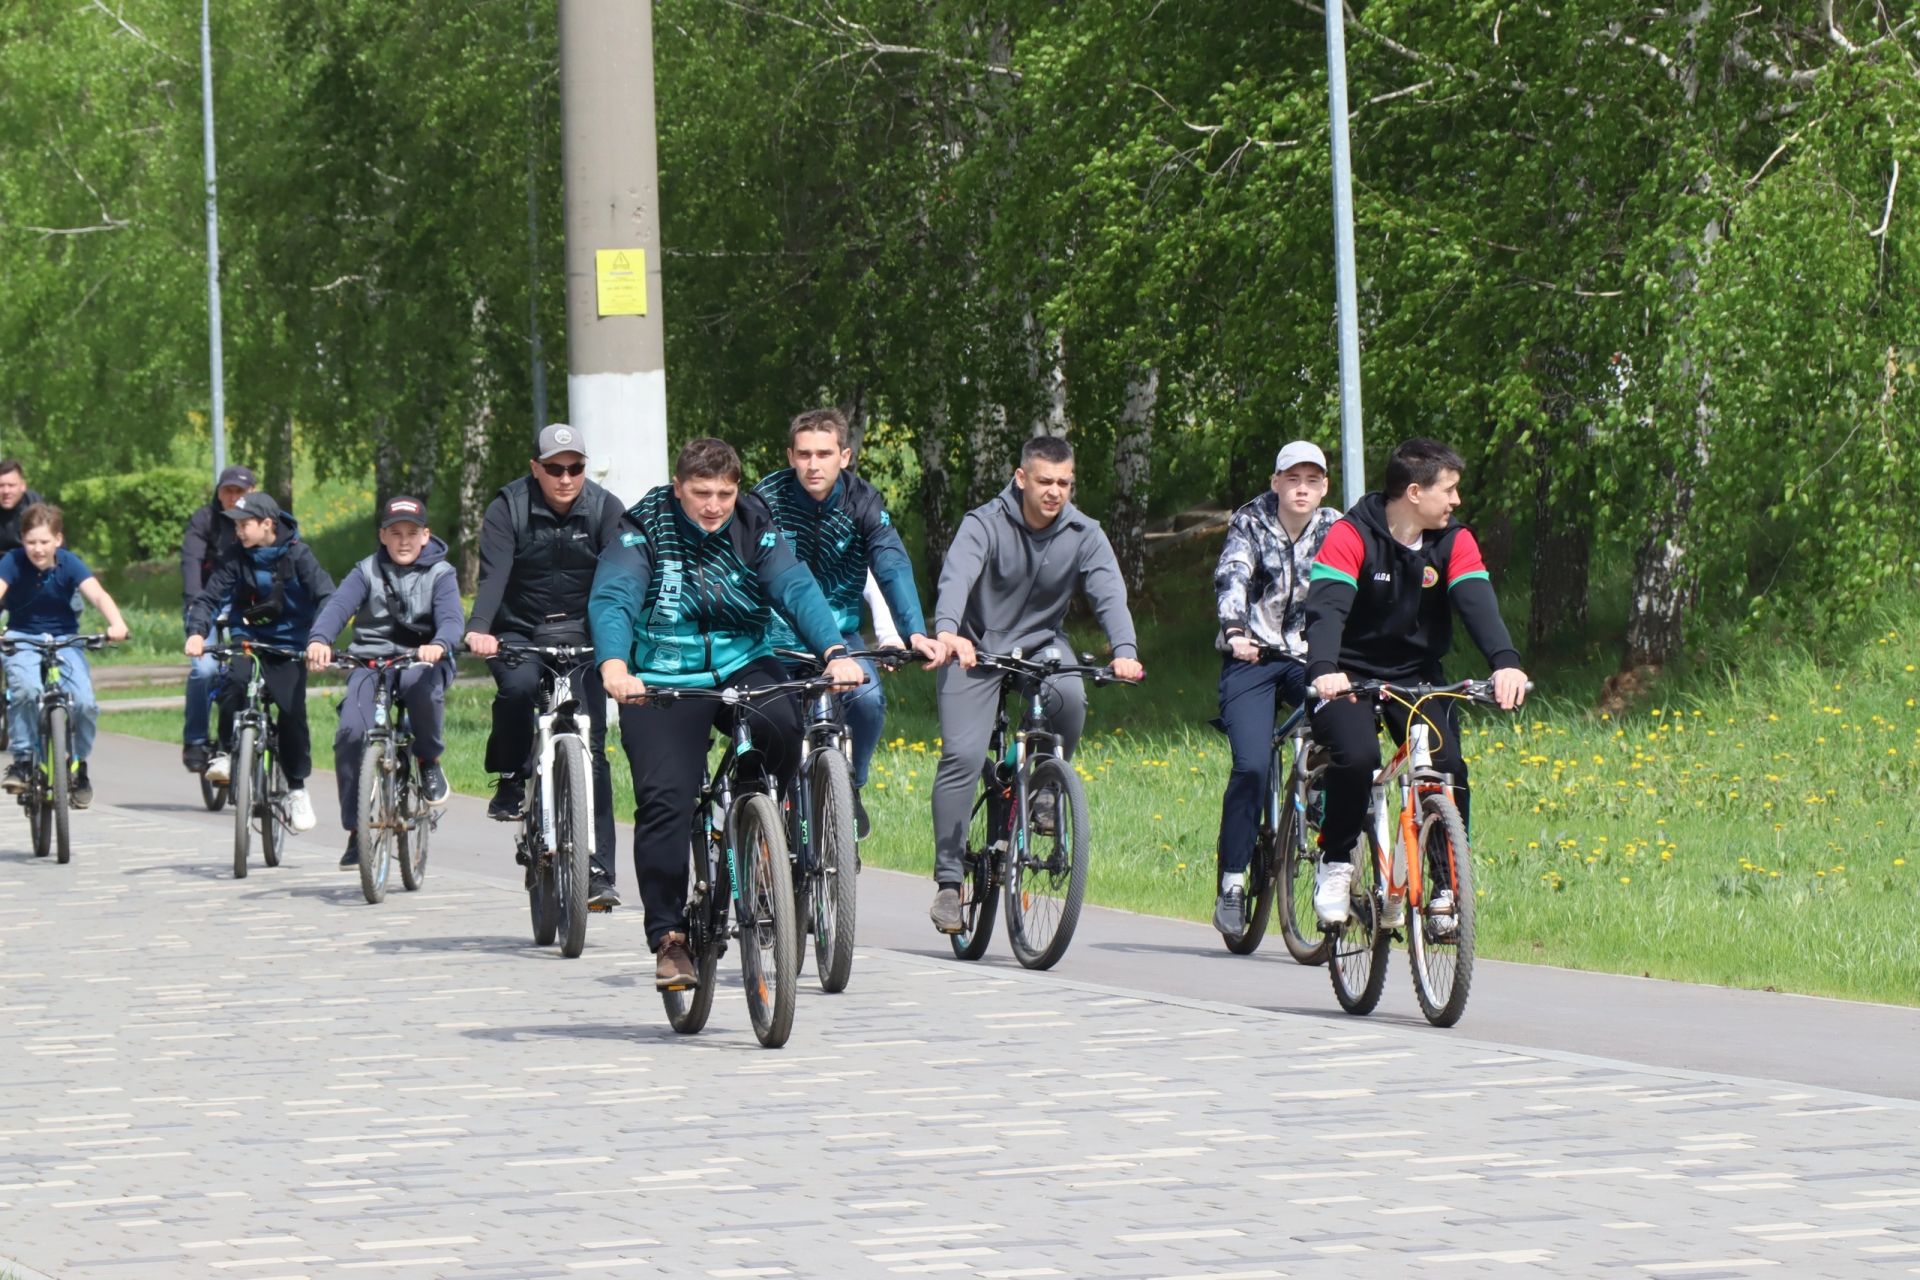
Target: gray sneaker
(946, 912)
(1230, 913)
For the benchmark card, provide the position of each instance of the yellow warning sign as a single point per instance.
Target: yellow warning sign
(622, 279)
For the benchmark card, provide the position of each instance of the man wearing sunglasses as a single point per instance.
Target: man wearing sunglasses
(539, 544)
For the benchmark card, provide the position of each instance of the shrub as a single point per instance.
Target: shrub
(128, 519)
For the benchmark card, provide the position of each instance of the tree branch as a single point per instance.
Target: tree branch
(1886, 216)
(140, 35)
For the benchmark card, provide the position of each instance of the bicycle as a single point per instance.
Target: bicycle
(257, 784)
(738, 858)
(822, 840)
(393, 812)
(46, 800)
(1043, 874)
(1286, 855)
(1419, 874)
(555, 842)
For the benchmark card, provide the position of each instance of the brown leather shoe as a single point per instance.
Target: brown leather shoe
(673, 966)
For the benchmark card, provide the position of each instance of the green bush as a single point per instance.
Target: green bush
(132, 518)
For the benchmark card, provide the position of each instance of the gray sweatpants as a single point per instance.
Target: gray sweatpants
(967, 701)
(422, 689)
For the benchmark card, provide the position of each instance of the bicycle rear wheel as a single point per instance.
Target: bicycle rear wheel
(270, 784)
(212, 795)
(376, 821)
(1047, 877)
(59, 779)
(244, 780)
(39, 822)
(835, 894)
(980, 887)
(687, 1008)
(1442, 959)
(769, 944)
(1358, 949)
(572, 842)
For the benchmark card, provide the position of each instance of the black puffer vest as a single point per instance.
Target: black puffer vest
(553, 562)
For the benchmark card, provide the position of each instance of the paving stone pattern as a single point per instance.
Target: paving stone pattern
(268, 1078)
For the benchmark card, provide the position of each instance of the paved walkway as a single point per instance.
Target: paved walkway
(270, 1078)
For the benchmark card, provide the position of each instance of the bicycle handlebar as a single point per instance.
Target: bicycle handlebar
(248, 647)
(1015, 664)
(888, 658)
(1480, 691)
(378, 661)
(733, 697)
(515, 654)
(50, 643)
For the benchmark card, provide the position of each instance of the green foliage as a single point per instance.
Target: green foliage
(126, 519)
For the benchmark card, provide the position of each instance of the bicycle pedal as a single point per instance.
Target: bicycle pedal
(600, 907)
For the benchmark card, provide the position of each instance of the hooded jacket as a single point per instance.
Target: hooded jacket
(1006, 586)
(1382, 610)
(838, 537)
(1260, 581)
(684, 607)
(395, 606)
(271, 593)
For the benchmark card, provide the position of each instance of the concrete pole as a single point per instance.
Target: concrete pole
(1353, 457)
(616, 363)
(216, 356)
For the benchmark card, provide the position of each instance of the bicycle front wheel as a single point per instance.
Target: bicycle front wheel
(1358, 957)
(1296, 867)
(376, 821)
(270, 785)
(416, 826)
(980, 887)
(769, 946)
(1047, 880)
(57, 746)
(1440, 947)
(835, 894)
(244, 779)
(572, 842)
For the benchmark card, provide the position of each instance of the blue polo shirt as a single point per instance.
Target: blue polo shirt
(43, 602)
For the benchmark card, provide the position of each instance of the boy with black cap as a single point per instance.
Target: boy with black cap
(403, 596)
(208, 540)
(271, 586)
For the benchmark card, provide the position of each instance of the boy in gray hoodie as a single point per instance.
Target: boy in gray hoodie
(1006, 584)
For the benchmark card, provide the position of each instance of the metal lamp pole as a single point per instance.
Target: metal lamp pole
(1353, 461)
(213, 249)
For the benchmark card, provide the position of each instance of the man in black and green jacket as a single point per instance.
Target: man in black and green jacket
(839, 527)
(685, 597)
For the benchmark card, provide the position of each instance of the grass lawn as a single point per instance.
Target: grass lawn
(1750, 829)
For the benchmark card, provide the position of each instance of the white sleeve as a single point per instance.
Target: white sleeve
(885, 634)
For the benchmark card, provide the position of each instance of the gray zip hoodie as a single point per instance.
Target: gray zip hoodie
(1006, 586)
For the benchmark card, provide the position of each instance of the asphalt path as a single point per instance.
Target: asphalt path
(1862, 1048)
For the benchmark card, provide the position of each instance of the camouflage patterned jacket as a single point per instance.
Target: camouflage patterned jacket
(1260, 583)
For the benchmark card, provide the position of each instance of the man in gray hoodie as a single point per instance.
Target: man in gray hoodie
(1006, 584)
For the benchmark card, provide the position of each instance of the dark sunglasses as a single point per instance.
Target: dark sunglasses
(558, 469)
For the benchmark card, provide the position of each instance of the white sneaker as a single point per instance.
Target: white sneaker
(1442, 919)
(1332, 886)
(1394, 914)
(300, 811)
(220, 769)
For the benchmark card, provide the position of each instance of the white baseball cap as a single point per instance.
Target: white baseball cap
(1299, 451)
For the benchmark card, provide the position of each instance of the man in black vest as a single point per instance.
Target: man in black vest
(539, 545)
(15, 498)
(207, 541)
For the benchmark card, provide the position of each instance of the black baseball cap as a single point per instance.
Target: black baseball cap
(236, 477)
(255, 506)
(403, 510)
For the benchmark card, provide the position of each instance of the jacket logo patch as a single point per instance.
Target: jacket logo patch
(631, 539)
(1429, 576)
(1383, 577)
(885, 518)
(767, 538)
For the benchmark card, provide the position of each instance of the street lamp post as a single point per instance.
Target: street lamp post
(218, 372)
(1353, 460)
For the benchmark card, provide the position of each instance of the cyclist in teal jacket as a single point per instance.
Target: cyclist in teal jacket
(686, 597)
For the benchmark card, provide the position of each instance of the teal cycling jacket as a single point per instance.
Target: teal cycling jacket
(839, 538)
(683, 607)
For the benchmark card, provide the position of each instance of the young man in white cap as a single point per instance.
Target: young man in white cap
(1260, 594)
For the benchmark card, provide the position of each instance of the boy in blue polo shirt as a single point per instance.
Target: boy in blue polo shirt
(38, 581)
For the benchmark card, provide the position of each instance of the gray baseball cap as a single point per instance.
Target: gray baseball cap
(558, 437)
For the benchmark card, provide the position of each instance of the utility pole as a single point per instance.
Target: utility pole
(1353, 457)
(218, 371)
(616, 356)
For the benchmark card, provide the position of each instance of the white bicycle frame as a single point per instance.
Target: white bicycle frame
(546, 742)
(1413, 758)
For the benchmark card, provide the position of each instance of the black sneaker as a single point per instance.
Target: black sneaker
(861, 827)
(351, 858)
(433, 783)
(509, 800)
(601, 895)
(195, 756)
(79, 787)
(19, 778)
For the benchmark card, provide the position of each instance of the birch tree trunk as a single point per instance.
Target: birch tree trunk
(936, 489)
(1133, 477)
